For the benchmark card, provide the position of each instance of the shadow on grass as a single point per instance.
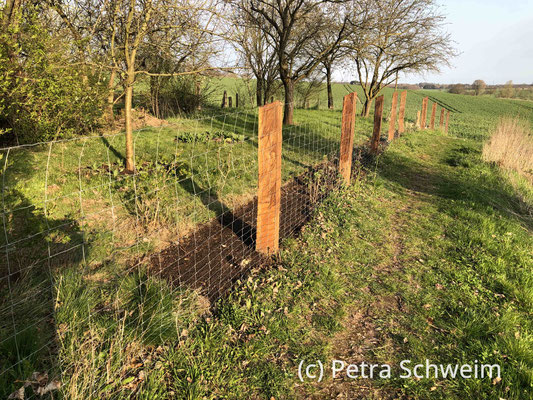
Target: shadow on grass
(34, 249)
(460, 183)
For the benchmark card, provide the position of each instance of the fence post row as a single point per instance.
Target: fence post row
(378, 114)
(433, 115)
(441, 121)
(401, 116)
(392, 122)
(424, 113)
(269, 183)
(447, 121)
(347, 134)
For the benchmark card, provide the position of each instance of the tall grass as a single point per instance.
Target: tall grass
(511, 147)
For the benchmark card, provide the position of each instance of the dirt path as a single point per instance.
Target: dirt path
(361, 337)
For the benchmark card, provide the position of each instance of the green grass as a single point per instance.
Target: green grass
(466, 229)
(432, 225)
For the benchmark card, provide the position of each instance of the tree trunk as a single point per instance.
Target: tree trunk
(259, 92)
(288, 85)
(198, 94)
(154, 94)
(130, 166)
(111, 96)
(366, 108)
(330, 92)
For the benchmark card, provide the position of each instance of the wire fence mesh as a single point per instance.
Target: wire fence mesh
(93, 256)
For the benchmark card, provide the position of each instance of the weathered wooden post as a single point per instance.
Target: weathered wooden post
(392, 122)
(401, 116)
(441, 121)
(347, 133)
(236, 100)
(378, 114)
(225, 99)
(269, 184)
(447, 121)
(418, 119)
(433, 115)
(230, 102)
(424, 113)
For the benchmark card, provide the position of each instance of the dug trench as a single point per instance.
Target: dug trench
(217, 254)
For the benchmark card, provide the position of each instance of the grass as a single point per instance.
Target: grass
(511, 146)
(430, 205)
(402, 232)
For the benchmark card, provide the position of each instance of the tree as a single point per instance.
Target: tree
(323, 40)
(256, 50)
(508, 90)
(129, 31)
(458, 88)
(479, 86)
(43, 93)
(396, 36)
(291, 26)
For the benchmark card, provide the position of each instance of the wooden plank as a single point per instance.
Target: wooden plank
(376, 134)
(424, 113)
(447, 121)
(433, 115)
(347, 134)
(441, 122)
(269, 183)
(401, 116)
(392, 122)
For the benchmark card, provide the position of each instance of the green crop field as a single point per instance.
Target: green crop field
(429, 251)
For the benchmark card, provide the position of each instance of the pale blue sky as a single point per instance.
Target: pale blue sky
(495, 39)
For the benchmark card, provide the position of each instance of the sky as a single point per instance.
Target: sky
(494, 38)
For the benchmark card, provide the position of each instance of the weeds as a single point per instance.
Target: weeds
(511, 147)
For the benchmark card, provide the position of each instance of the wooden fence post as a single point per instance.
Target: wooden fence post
(378, 114)
(392, 122)
(433, 115)
(272, 99)
(230, 102)
(236, 100)
(225, 99)
(447, 121)
(401, 116)
(269, 184)
(418, 119)
(348, 126)
(441, 122)
(424, 113)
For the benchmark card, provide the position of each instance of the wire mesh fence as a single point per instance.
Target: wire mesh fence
(93, 257)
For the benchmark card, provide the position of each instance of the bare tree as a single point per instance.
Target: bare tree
(479, 86)
(394, 36)
(291, 26)
(255, 48)
(129, 33)
(324, 39)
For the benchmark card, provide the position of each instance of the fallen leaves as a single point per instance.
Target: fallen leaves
(39, 383)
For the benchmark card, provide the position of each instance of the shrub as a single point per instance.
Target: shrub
(511, 147)
(43, 95)
(458, 88)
